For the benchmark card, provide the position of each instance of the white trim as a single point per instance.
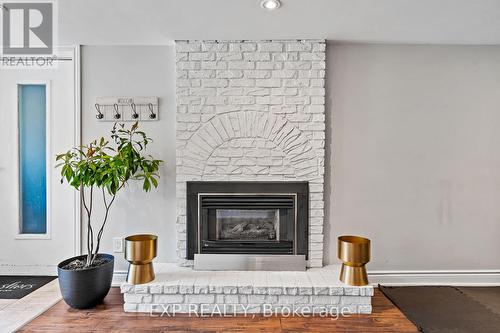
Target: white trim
(28, 270)
(77, 142)
(48, 160)
(437, 277)
(46, 236)
(472, 278)
(118, 278)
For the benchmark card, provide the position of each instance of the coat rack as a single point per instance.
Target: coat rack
(126, 109)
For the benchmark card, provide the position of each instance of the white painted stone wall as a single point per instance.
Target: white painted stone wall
(252, 111)
(181, 289)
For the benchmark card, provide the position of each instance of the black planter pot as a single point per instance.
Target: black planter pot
(85, 288)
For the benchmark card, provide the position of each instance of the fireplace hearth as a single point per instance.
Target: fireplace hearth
(247, 218)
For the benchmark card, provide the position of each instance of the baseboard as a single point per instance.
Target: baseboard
(473, 278)
(392, 278)
(118, 278)
(49, 270)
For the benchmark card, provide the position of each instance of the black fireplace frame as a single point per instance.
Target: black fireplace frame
(300, 191)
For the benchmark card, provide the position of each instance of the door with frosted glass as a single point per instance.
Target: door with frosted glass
(39, 216)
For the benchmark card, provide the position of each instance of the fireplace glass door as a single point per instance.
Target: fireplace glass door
(247, 224)
(261, 218)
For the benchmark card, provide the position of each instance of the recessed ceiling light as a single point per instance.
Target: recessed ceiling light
(270, 4)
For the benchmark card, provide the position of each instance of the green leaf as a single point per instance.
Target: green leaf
(111, 165)
(154, 181)
(147, 185)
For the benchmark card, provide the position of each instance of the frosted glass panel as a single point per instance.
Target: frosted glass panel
(32, 159)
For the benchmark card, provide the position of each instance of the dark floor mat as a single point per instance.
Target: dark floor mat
(18, 286)
(487, 296)
(443, 309)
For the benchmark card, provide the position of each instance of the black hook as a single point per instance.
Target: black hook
(117, 114)
(135, 115)
(98, 108)
(152, 115)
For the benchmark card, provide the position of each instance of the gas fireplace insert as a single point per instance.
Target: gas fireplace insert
(262, 218)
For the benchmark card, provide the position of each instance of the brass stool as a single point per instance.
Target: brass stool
(354, 252)
(140, 250)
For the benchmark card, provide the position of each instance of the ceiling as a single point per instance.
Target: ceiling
(151, 22)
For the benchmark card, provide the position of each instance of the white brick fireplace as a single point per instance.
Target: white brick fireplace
(252, 111)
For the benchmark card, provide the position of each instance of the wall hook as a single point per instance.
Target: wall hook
(139, 108)
(152, 115)
(117, 114)
(135, 115)
(99, 114)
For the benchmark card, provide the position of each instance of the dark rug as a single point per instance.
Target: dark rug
(488, 296)
(18, 286)
(449, 309)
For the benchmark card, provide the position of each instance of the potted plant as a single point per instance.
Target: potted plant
(101, 169)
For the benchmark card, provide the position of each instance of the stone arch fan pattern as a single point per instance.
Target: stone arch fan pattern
(249, 143)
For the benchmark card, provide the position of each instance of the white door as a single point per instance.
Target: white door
(38, 216)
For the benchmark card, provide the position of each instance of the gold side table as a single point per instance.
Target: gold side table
(140, 250)
(354, 252)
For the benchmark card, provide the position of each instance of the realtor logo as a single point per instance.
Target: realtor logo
(27, 28)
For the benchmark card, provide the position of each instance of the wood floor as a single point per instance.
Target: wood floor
(109, 317)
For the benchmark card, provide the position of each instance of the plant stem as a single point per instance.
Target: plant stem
(89, 226)
(99, 234)
(101, 230)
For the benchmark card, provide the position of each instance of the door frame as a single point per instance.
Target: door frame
(77, 141)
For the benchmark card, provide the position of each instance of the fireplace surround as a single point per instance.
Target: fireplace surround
(250, 218)
(251, 111)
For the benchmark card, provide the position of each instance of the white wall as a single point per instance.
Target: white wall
(414, 150)
(136, 71)
(415, 154)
